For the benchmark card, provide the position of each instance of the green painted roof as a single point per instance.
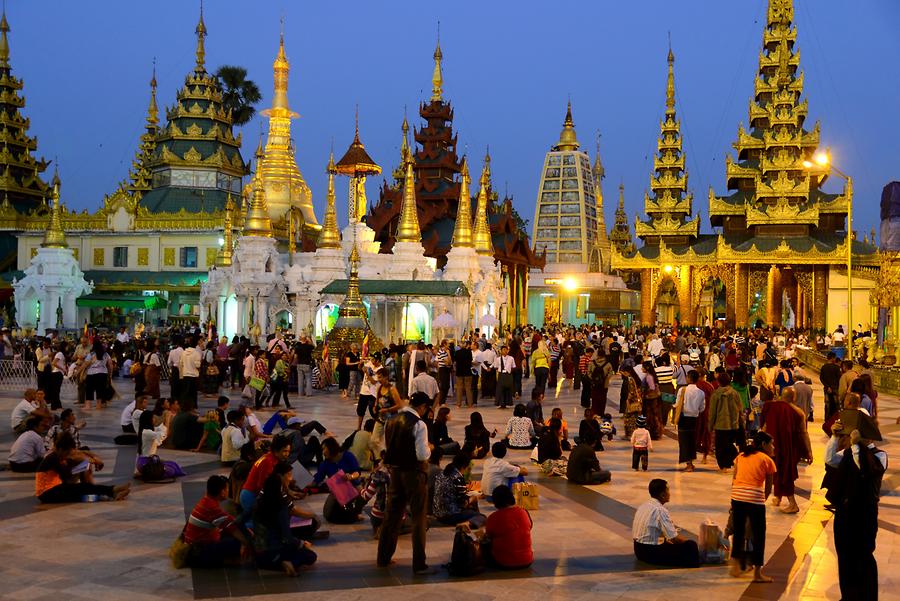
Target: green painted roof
(171, 200)
(401, 288)
(123, 302)
(149, 279)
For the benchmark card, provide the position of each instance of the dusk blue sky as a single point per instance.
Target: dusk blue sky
(509, 68)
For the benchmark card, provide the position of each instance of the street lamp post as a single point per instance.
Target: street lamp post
(823, 160)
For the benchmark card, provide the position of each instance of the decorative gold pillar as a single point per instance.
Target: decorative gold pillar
(684, 296)
(773, 298)
(800, 307)
(820, 294)
(741, 295)
(647, 298)
(524, 296)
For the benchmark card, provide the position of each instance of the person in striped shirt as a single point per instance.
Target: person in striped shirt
(665, 378)
(754, 472)
(583, 364)
(214, 535)
(444, 365)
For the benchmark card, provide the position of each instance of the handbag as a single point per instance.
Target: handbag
(342, 489)
(257, 383)
(466, 558)
(247, 392)
(526, 495)
(212, 370)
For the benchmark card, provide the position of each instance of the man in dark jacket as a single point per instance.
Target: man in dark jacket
(830, 376)
(583, 466)
(462, 363)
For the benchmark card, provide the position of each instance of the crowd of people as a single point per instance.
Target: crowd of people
(742, 397)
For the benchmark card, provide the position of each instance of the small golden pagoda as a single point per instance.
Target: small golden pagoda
(357, 164)
(481, 236)
(462, 230)
(55, 237)
(408, 230)
(330, 236)
(352, 325)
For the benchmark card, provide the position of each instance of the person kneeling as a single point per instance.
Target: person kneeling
(583, 466)
(65, 476)
(656, 540)
(277, 543)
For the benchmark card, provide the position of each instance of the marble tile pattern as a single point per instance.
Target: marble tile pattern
(582, 534)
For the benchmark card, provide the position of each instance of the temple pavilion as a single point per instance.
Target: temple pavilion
(779, 253)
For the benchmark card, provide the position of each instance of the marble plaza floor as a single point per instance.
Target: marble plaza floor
(582, 534)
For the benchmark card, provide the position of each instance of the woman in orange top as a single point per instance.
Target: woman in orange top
(753, 474)
(55, 481)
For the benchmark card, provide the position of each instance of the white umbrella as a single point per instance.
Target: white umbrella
(489, 320)
(444, 320)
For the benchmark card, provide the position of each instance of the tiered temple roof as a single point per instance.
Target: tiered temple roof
(668, 205)
(141, 174)
(197, 161)
(620, 234)
(20, 180)
(437, 169)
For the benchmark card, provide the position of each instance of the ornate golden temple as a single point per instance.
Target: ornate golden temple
(781, 242)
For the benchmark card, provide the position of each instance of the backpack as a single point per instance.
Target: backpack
(465, 558)
(153, 470)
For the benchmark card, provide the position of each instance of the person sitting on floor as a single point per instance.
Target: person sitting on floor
(656, 539)
(279, 546)
(233, 438)
(583, 466)
(212, 433)
(479, 436)
(506, 538)
(550, 456)
(452, 503)
(279, 451)
(28, 450)
(497, 470)
(359, 445)
(213, 535)
(564, 431)
(32, 404)
(66, 476)
(151, 434)
(305, 448)
(376, 488)
(67, 423)
(520, 429)
(334, 460)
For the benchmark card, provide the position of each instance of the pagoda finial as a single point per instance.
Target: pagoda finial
(330, 236)
(462, 232)
(670, 82)
(622, 197)
(567, 138)
(55, 237)
(437, 78)
(408, 229)
(152, 110)
(481, 237)
(281, 68)
(258, 222)
(599, 171)
(201, 48)
(4, 42)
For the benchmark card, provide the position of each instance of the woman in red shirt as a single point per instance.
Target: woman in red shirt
(506, 542)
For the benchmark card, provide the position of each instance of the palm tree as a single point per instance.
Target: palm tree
(239, 94)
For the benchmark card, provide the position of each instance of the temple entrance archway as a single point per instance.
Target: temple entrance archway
(667, 305)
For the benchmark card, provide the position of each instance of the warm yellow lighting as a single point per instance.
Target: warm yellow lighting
(570, 284)
(668, 268)
(807, 165)
(821, 158)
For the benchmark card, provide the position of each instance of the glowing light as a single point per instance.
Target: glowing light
(221, 241)
(668, 268)
(821, 158)
(807, 165)
(570, 284)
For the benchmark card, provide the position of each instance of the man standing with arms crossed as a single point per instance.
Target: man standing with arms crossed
(406, 456)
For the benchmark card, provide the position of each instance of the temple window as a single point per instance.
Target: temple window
(188, 256)
(120, 256)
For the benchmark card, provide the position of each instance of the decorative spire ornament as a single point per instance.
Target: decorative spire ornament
(408, 229)
(437, 78)
(462, 231)
(330, 236)
(201, 48)
(258, 223)
(227, 252)
(567, 138)
(55, 237)
(481, 236)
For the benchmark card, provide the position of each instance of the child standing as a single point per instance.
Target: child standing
(640, 444)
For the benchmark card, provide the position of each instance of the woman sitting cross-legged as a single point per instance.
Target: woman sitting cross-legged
(333, 461)
(66, 476)
(277, 544)
(452, 503)
(520, 429)
(506, 537)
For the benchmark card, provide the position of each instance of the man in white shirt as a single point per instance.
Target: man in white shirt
(691, 402)
(140, 405)
(497, 470)
(233, 438)
(424, 382)
(656, 539)
(655, 346)
(28, 449)
(20, 412)
(174, 374)
(488, 376)
(503, 368)
(125, 419)
(189, 370)
(123, 336)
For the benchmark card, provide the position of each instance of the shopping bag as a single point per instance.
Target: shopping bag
(342, 489)
(526, 495)
(711, 543)
(257, 383)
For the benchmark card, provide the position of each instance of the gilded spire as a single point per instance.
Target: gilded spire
(281, 68)
(353, 304)
(405, 154)
(55, 237)
(408, 229)
(4, 42)
(670, 82)
(258, 222)
(462, 232)
(152, 110)
(620, 236)
(201, 48)
(481, 236)
(330, 236)
(567, 137)
(226, 253)
(437, 78)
